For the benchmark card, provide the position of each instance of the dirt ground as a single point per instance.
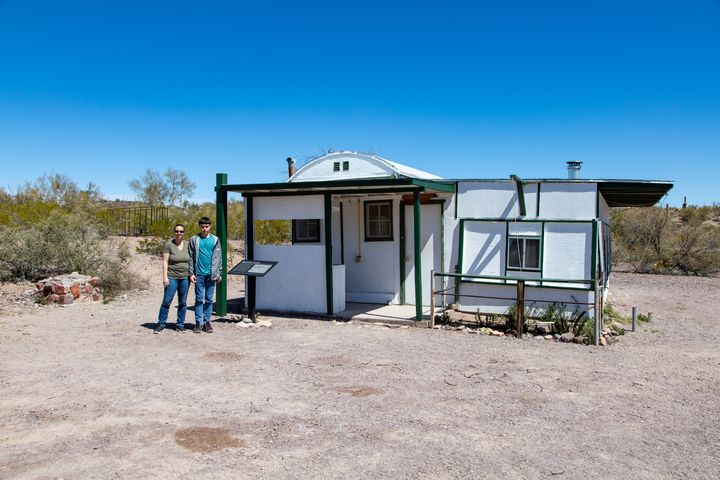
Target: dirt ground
(87, 391)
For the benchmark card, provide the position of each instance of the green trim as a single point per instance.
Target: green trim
(534, 280)
(542, 247)
(457, 199)
(342, 235)
(418, 259)
(461, 245)
(303, 193)
(527, 220)
(250, 280)
(323, 186)
(537, 204)
(402, 253)
(442, 247)
(521, 194)
(593, 266)
(328, 254)
(514, 278)
(221, 230)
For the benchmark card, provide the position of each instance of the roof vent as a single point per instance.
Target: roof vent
(573, 167)
(291, 166)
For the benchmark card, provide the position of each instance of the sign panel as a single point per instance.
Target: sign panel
(253, 268)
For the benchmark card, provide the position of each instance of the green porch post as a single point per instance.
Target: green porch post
(328, 255)
(221, 229)
(418, 259)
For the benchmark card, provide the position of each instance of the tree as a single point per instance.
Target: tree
(179, 186)
(169, 189)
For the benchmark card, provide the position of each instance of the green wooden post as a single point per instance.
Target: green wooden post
(328, 255)
(221, 229)
(402, 252)
(418, 259)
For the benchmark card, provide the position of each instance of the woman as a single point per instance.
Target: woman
(175, 279)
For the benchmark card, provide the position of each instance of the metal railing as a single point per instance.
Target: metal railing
(519, 297)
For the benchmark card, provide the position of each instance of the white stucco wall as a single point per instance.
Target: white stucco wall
(297, 282)
(286, 208)
(568, 201)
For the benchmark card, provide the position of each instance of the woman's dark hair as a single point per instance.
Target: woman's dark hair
(179, 225)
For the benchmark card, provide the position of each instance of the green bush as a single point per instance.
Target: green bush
(151, 245)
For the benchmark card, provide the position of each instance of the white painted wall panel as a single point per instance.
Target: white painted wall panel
(297, 282)
(604, 210)
(567, 251)
(495, 200)
(525, 229)
(484, 248)
(286, 208)
(569, 201)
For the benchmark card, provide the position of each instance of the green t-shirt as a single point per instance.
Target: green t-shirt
(179, 260)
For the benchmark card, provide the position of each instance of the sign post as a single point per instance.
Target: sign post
(251, 269)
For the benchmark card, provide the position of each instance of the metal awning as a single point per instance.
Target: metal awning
(383, 185)
(633, 193)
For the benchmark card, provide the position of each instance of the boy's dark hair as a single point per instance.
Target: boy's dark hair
(204, 221)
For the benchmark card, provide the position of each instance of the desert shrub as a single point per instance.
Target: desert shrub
(644, 318)
(667, 240)
(151, 245)
(113, 270)
(611, 315)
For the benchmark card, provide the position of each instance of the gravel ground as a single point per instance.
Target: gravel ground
(87, 391)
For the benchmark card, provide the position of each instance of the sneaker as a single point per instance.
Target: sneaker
(198, 328)
(208, 328)
(180, 329)
(159, 329)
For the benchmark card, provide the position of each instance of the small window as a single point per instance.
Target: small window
(346, 166)
(336, 166)
(305, 231)
(378, 221)
(523, 253)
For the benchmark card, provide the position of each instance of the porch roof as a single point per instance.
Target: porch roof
(384, 185)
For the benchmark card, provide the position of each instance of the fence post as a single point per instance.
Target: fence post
(520, 314)
(634, 318)
(431, 323)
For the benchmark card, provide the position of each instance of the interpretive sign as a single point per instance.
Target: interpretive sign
(253, 268)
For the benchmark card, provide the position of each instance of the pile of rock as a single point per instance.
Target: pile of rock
(608, 334)
(66, 289)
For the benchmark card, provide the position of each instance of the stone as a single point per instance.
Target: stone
(579, 339)
(95, 281)
(557, 336)
(97, 297)
(461, 327)
(247, 320)
(542, 330)
(52, 298)
(567, 337)
(548, 337)
(539, 337)
(58, 288)
(66, 299)
(603, 342)
(39, 285)
(436, 327)
(264, 323)
(510, 333)
(88, 288)
(75, 290)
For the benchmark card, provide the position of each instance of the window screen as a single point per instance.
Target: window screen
(306, 230)
(523, 253)
(378, 221)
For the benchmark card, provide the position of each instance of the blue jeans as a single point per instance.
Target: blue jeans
(181, 286)
(204, 292)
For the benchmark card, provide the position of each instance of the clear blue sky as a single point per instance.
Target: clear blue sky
(101, 90)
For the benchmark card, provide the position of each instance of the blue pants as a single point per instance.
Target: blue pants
(181, 286)
(204, 292)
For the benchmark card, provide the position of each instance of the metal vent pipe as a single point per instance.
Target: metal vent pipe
(573, 167)
(291, 166)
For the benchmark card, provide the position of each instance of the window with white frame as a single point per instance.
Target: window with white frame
(306, 230)
(378, 221)
(523, 253)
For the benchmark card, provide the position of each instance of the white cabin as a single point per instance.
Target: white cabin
(354, 237)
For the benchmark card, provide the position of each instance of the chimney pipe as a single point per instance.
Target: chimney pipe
(291, 166)
(573, 167)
